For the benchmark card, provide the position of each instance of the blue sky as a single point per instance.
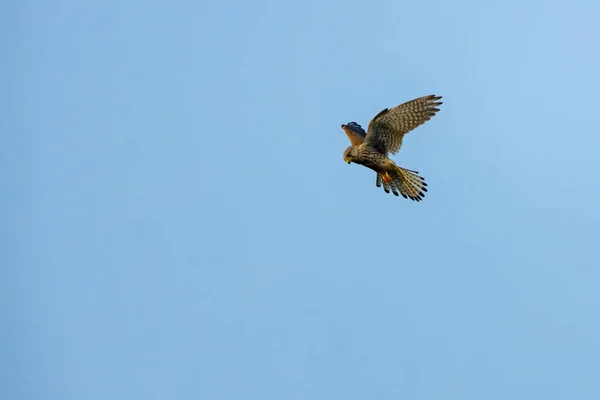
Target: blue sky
(179, 222)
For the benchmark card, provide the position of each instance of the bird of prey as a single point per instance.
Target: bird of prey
(384, 135)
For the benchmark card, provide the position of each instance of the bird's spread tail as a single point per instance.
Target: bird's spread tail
(403, 181)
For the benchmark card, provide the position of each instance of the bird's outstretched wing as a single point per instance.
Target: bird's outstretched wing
(355, 133)
(387, 129)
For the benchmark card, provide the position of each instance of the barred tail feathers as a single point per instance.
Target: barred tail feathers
(405, 182)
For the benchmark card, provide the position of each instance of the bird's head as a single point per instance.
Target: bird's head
(350, 154)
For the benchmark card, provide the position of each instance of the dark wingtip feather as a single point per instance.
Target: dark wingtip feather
(356, 128)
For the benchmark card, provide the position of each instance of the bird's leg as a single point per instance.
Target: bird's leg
(387, 178)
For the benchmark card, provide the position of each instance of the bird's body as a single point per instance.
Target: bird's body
(384, 135)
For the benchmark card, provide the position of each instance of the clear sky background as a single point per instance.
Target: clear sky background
(178, 222)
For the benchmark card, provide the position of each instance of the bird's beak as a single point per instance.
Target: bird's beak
(347, 160)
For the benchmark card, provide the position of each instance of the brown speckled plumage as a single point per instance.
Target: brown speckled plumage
(384, 135)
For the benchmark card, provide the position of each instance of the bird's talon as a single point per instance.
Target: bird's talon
(386, 178)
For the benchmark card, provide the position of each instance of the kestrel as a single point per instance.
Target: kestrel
(384, 135)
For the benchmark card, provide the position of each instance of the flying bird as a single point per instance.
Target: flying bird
(384, 135)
